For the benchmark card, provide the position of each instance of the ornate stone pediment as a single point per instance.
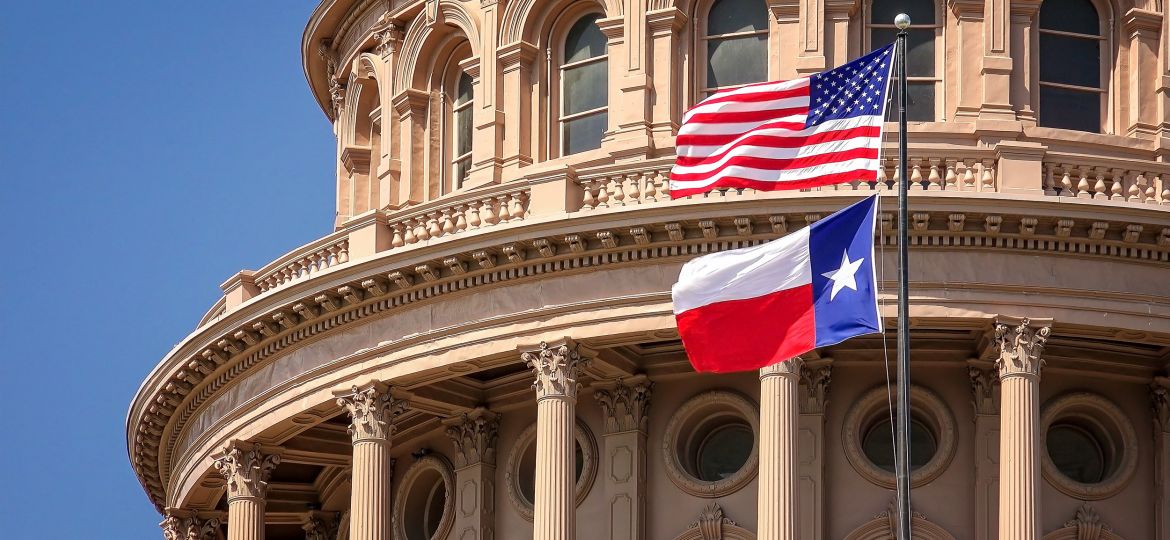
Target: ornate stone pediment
(714, 525)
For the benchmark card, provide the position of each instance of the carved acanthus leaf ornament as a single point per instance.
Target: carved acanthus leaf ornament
(1019, 348)
(317, 527)
(1160, 402)
(372, 411)
(815, 389)
(556, 369)
(172, 528)
(625, 405)
(202, 529)
(474, 434)
(246, 468)
(985, 390)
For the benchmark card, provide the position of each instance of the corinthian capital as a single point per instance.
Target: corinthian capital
(246, 469)
(985, 390)
(556, 369)
(786, 368)
(1018, 347)
(625, 403)
(172, 527)
(319, 526)
(202, 529)
(814, 388)
(474, 434)
(372, 408)
(1160, 402)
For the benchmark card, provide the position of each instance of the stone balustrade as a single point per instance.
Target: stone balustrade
(304, 262)
(458, 213)
(1141, 182)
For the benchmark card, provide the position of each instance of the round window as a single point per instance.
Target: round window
(521, 471)
(1076, 453)
(878, 444)
(867, 436)
(422, 505)
(710, 444)
(724, 451)
(1089, 446)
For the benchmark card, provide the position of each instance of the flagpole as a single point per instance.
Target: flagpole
(902, 442)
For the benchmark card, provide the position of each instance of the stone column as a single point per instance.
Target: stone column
(1019, 343)
(985, 389)
(373, 409)
(810, 443)
(246, 467)
(779, 415)
(624, 403)
(474, 434)
(556, 369)
(1160, 400)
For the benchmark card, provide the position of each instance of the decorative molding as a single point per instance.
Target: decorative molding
(985, 390)
(1114, 431)
(884, 526)
(373, 409)
(791, 367)
(713, 524)
(1085, 525)
(428, 463)
(474, 434)
(1018, 344)
(556, 369)
(624, 403)
(246, 468)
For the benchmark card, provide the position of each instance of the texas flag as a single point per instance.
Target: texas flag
(748, 308)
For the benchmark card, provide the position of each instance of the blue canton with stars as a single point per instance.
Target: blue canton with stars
(854, 89)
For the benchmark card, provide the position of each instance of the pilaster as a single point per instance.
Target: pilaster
(411, 106)
(1017, 346)
(969, 39)
(373, 409)
(246, 467)
(815, 378)
(388, 36)
(516, 67)
(985, 399)
(556, 369)
(474, 435)
(1143, 29)
(665, 68)
(488, 117)
(624, 404)
(1160, 404)
(779, 415)
(628, 134)
(1025, 64)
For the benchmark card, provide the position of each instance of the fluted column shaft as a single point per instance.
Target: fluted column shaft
(373, 410)
(556, 369)
(245, 518)
(779, 417)
(1019, 364)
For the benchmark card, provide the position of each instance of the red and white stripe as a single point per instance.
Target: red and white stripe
(755, 137)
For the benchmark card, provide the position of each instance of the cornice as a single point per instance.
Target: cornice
(215, 355)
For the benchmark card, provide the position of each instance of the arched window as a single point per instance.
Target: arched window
(1072, 92)
(461, 130)
(735, 44)
(923, 48)
(584, 76)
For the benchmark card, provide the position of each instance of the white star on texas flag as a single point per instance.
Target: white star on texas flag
(845, 276)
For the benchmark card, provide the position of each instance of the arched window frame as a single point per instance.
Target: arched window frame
(940, 48)
(1107, 39)
(555, 41)
(456, 63)
(700, 88)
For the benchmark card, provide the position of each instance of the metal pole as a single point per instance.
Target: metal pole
(902, 444)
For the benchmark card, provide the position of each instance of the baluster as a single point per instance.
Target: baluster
(433, 228)
(343, 252)
(968, 175)
(1151, 195)
(602, 192)
(619, 193)
(933, 180)
(489, 212)
(881, 179)
(588, 201)
(988, 178)
(461, 217)
(663, 184)
(897, 177)
(473, 219)
(950, 178)
(396, 239)
(505, 214)
(651, 189)
(519, 205)
(1165, 190)
(634, 192)
(1066, 184)
(448, 222)
(1049, 186)
(915, 175)
(420, 229)
(1115, 186)
(1099, 185)
(1083, 183)
(1137, 188)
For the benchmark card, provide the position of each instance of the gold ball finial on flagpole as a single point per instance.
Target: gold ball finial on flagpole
(902, 21)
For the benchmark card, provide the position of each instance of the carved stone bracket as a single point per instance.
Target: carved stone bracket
(711, 521)
(1088, 524)
(246, 468)
(372, 408)
(814, 389)
(320, 526)
(1019, 345)
(625, 403)
(985, 390)
(474, 434)
(556, 369)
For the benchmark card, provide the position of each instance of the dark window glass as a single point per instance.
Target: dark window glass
(724, 451)
(920, 11)
(463, 92)
(585, 132)
(1070, 60)
(1070, 109)
(1076, 453)
(735, 61)
(919, 49)
(435, 507)
(731, 16)
(586, 87)
(1079, 16)
(584, 40)
(920, 101)
(463, 131)
(879, 447)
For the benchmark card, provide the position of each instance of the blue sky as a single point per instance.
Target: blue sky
(148, 150)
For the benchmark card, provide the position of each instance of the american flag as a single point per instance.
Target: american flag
(812, 131)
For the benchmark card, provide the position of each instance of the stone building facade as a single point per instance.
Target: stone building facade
(484, 345)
